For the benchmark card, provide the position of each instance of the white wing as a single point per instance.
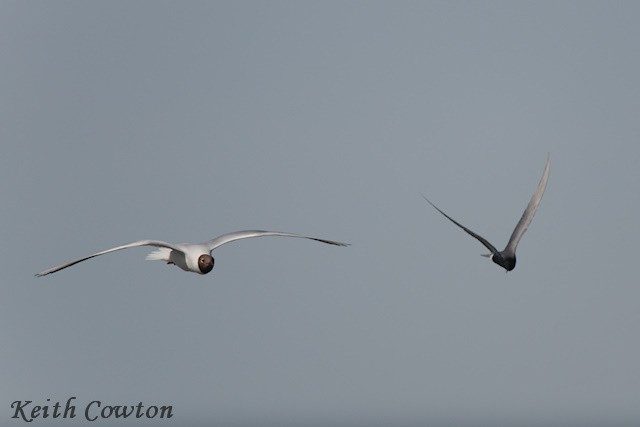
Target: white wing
(530, 211)
(155, 243)
(237, 235)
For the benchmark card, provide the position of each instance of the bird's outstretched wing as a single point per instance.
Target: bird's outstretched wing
(237, 235)
(155, 243)
(530, 211)
(481, 239)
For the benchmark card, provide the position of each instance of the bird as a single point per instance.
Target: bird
(507, 257)
(195, 258)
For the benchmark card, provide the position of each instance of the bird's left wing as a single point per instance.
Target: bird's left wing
(478, 237)
(237, 235)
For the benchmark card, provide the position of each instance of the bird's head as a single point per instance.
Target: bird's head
(205, 263)
(506, 262)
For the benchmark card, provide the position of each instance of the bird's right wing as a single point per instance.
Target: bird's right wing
(530, 211)
(481, 239)
(156, 243)
(237, 235)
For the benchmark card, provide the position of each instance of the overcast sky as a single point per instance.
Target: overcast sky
(181, 121)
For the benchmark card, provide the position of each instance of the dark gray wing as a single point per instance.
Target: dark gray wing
(155, 243)
(471, 233)
(530, 211)
(237, 235)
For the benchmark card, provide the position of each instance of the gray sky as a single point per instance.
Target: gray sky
(180, 121)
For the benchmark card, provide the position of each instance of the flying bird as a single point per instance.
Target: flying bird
(189, 257)
(507, 258)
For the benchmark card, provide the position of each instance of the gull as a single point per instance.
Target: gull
(507, 258)
(189, 257)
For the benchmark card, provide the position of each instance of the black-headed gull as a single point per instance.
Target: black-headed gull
(507, 258)
(189, 257)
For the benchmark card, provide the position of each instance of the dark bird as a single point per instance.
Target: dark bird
(507, 258)
(190, 257)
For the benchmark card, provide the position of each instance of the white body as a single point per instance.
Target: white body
(189, 256)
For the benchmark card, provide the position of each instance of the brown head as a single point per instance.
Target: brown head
(205, 263)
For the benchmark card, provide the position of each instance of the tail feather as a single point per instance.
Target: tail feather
(161, 254)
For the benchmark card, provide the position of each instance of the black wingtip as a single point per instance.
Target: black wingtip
(425, 197)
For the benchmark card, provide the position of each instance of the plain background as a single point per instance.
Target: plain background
(180, 121)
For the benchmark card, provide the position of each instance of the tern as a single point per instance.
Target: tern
(507, 258)
(189, 257)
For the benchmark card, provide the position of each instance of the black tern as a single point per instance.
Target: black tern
(190, 257)
(507, 258)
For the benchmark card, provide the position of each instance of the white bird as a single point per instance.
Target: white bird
(188, 256)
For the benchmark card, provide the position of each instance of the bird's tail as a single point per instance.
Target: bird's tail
(484, 255)
(161, 254)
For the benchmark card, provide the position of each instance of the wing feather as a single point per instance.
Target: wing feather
(530, 211)
(237, 235)
(156, 243)
(481, 239)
